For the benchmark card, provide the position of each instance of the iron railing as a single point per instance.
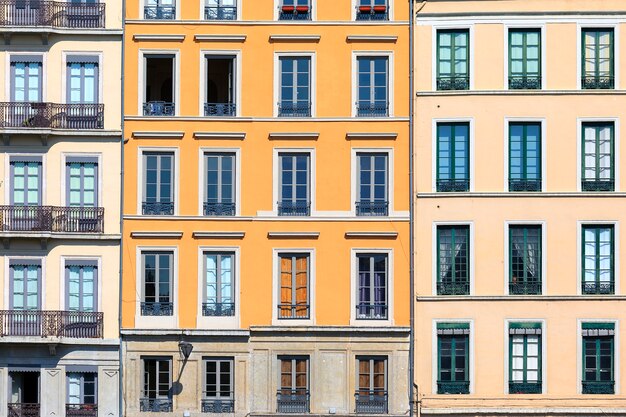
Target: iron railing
(81, 410)
(524, 82)
(292, 401)
(290, 109)
(218, 309)
(370, 402)
(220, 13)
(294, 13)
(158, 108)
(453, 83)
(219, 209)
(369, 109)
(71, 324)
(157, 208)
(51, 115)
(592, 82)
(294, 208)
(525, 387)
(516, 184)
(371, 311)
(37, 13)
(218, 405)
(600, 288)
(155, 405)
(293, 311)
(372, 208)
(452, 387)
(525, 288)
(598, 185)
(23, 410)
(159, 12)
(372, 13)
(459, 287)
(51, 219)
(219, 109)
(598, 387)
(157, 309)
(453, 185)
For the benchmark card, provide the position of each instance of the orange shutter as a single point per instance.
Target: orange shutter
(285, 286)
(302, 291)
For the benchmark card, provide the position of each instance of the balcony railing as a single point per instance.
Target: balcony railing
(525, 288)
(155, 405)
(292, 401)
(452, 387)
(81, 410)
(453, 83)
(372, 208)
(51, 219)
(220, 13)
(294, 208)
(218, 405)
(368, 109)
(524, 185)
(38, 13)
(219, 109)
(289, 109)
(598, 387)
(525, 82)
(219, 209)
(525, 387)
(453, 288)
(598, 185)
(371, 402)
(159, 12)
(293, 311)
(372, 12)
(600, 288)
(23, 410)
(157, 208)
(598, 83)
(374, 311)
(218, 309)
(294, 13)
(72, 324)
(453, 185)
(158, 108)
(15, 115)
(157, 309)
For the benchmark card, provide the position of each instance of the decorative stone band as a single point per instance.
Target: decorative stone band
(453, 329)
(525, 328)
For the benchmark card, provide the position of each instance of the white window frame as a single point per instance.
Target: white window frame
(176, 4)
(470, 28)
(140, 168)
(544, 352)
(313, 12)
(276, 179)
(520, 26)
(7, 279)
(203, 4)
(435, 255)
(585, 24)
(354, 287)
(237, 55)
(44, 175)
(390, 79)
(62, 280)
(390, 11)
(544, 151)
(616, 148)
(544, 253)
(435, 122)
(202, 175)
(579, 353)
(313, 90)
(616, 252)
(143, 54)
(354, 166)
(435, 355)
(276, 252)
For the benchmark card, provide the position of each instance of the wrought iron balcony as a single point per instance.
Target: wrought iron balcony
(373, 311)
(598, 185)
(372, 208)
(158, 108)
(525, 387)
(219, 209)
(294, 208)
(157, 208)
(293, 311)
(218, 309)
(292, 401)
(453, 83)
(453, 387)
(51, 219)
(220, 109)
(155, 405)
(598, 387)
(81, 410)
(157, 309)
(592, 82)
(524, 185)
(28, 115)
(220, 13)
(525, 288)
(372, 13)
(371, 402)
(600, 288)
(453, 185)
(159, 12)
(218, 405)
(23, 410)
(524, 82)
(369, 109)
(43, 13)
(294, 13)
(453, 288)
(71, 324)
(290, 109)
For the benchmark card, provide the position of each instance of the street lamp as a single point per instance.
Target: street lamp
(185, 349)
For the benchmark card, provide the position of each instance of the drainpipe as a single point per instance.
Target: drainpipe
(121, 401)
(411, 214)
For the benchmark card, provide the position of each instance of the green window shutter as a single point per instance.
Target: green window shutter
(446, 326)
(598, 259)
(453, 59)
(525, 156)
(598, 157)
(525, 59)
(453, 260)
(525, 325)
(598, 58)
(525, 260)
(453, 157)
(598, 326)
(598, 359)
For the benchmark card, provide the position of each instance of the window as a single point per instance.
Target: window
(295, 10)
(372, 10)
(81, 288)
(157, 270)
(82, 79)
(294, 286)
(293, 395)
(373, 86)
(598, 358)
(598, 160)
(525, 260)
(294, 184)
(525, 358)
(25, 181)
(158, 183)
(81, 181)
(219, 393)
(220, 184)
(219, 290)
(159, 10)
(453, 60)
(598, 259)
(220, 10)
(159, 80)
(524, 156)
(371, 393)
(82, 393)
(453, 157)
(598, 59)
(372, 188)
(220, 86)
(25, 297)
(24, 389)
(26, 80)
(156, 395)
(295, 87)
(525, 59)
(453, 276)
(452, 358)
(373, 293)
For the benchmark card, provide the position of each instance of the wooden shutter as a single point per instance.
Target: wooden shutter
(285, 375)
(379, 376)
(364, 376)
(301, 286)
(285, 286)
(301, 375)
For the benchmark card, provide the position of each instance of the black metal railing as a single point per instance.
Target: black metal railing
(71, 324)
(598, 288)
(218, 405)
(524, 82)
(157, 208)
(368, 109)
(525, 387)
(294, 208)
(220, 109)
(155, 405)
(598, 185)
(158, 108)
(81, 410)
(159, 12)
(370, 402)
(371, 311)
(294, 13)
(51, 115)
(592, 82)
(372, 208)
(459, 287)
(453, 83)
(525, 288)
(453, 387)
(220, 13)
(38, 13)
(219, 209)
(516, 184)
(51, 219)
(292, 401)
(293, 311)
(218, 309)
(453, 185)
(372, 13)
(157, 309)
(598, 387)
(23, 410)
(289, 109)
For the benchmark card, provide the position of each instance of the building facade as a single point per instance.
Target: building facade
(520, 199)
(60, 122)
(266, 220)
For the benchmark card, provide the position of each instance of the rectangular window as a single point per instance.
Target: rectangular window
(598, 259)
(26, 185)
(294, 184)
(81, 288)
(373, 86)
(525, 59)
(219, 290)
(525, 358)
(82, 393)
(81, 179)
(453, 358)
(159, 10)
(293, 395)
(220, 10)
(295, 86)
(25, 297)
(372, 188)
(453, 59)
(157, 268)
(158, 183)
(159, 80)
(220, 184)
(598, 159)
(453, 157)
(295, 10)
(294, 286)
(156, 394)
(27, 80)
(220, 86)
(453, 276)
(525, 261)
(371, 393)
(598, 59)
(372, 10)
(373, 293)
(598, 358)
(219, 395)
(524, 156)
(82, 79)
